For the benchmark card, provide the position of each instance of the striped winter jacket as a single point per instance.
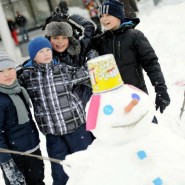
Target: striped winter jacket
(57, 110)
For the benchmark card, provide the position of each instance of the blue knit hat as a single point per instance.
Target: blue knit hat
(114, 8)
(36, 44)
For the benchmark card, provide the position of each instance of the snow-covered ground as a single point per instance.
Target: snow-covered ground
(163, 26)
(164, 29)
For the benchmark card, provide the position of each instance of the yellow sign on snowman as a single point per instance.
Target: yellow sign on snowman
(104, 73)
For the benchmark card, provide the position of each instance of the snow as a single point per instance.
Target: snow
(163, 26)
(139, 162)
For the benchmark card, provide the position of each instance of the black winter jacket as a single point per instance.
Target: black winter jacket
(14, 136)
(133, 53)
(21, 21)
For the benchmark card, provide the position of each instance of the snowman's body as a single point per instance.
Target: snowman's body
(129, 149)
(101, 164)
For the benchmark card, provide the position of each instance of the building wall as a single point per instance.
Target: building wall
(75, 3)
(36, 11)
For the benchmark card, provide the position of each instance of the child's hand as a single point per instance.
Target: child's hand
(162, 98)
(162, 101)
(92, 54)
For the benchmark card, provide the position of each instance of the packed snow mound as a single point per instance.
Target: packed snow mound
(152, 159)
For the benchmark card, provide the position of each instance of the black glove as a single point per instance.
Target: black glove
(92, 53)
(162, 98)
(81, 73)
(12, 173)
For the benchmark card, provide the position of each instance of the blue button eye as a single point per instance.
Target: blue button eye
(158, 181)
(108, 109)
(141, 154)
(135, 96)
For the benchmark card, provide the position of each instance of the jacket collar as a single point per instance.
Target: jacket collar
(32, 64)
(127, 24)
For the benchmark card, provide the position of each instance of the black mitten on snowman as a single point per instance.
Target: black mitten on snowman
(12, 173)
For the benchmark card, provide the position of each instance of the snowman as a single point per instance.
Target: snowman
(129, 149)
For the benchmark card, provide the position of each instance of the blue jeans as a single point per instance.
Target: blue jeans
(24, 33)
(60, 146)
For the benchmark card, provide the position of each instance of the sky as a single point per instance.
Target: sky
(164, 27)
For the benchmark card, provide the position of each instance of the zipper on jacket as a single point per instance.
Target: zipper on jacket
(119, 49)
(113, 42)
(114, 47)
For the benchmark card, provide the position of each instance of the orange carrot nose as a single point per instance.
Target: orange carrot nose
(131, 105)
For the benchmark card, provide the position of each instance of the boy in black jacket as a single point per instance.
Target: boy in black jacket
(132, 51)
(17, 130)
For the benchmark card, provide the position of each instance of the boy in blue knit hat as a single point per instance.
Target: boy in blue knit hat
(58, 112)
(132, 51)
(17, 130)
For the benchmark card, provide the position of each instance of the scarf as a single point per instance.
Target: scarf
(12, 91)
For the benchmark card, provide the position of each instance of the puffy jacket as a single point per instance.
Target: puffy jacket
(57, 110)
(14, 136)
(132, 52)
(21, 20)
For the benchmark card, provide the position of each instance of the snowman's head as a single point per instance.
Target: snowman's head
(114, 118)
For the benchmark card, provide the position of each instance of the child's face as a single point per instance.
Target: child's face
(59, 43)
(109, 22)
(8, 76)
(44, 56)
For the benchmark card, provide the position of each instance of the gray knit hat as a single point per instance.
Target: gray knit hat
(6, 61)
(59, 28)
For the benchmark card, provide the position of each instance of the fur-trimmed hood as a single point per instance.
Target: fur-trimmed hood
(65, 29)
(74, 47)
